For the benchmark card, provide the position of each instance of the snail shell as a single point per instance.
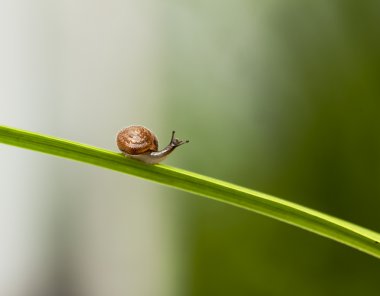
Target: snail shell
(140, 143)
(136, 139)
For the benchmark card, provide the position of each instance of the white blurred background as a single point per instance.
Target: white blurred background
(80, 70)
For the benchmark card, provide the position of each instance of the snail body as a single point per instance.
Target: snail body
(140, 143)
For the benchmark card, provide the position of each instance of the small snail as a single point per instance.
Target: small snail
(140, 143)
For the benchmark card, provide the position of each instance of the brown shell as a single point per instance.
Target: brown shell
(136, 139)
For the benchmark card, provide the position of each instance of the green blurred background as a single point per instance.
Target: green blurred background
(278, 96)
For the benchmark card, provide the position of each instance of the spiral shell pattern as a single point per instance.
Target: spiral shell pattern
(136, 139)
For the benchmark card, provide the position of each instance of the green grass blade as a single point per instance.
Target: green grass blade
(308, 219)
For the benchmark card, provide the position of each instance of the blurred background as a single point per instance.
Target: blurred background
(278, 96)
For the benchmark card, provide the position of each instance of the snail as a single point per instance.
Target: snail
(140, 143)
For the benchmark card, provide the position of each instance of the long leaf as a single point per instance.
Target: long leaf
(308, 219)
